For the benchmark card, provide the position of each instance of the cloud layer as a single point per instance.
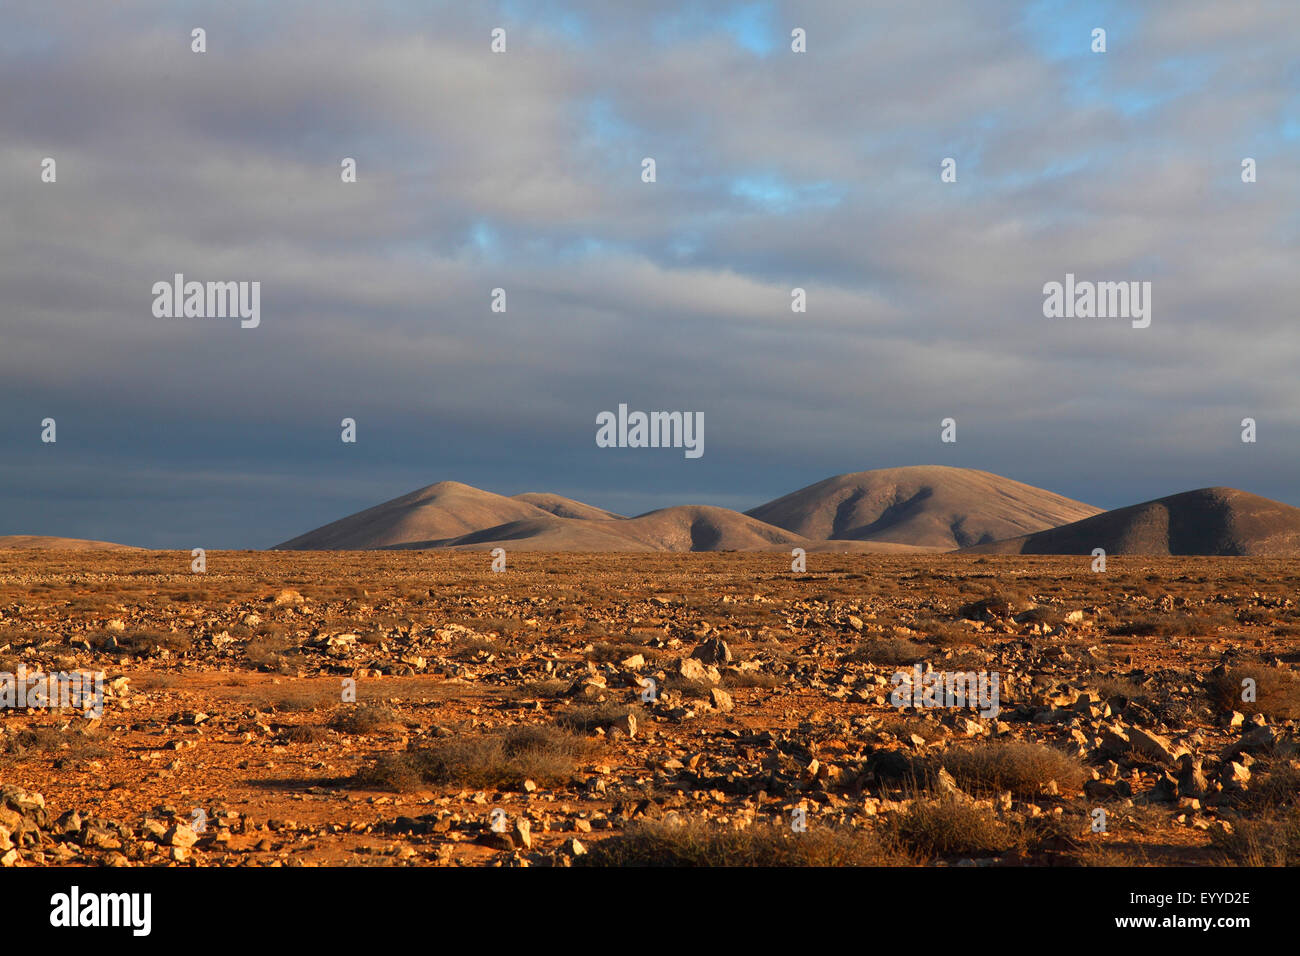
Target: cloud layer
(522, 171)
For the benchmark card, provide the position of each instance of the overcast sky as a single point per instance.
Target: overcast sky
(522, 170)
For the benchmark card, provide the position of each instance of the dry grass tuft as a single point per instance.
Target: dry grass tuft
(895, 650)
(544, 754)
(944, 827)
(1019, 766)
(1277, 691)
(693, 844)
(367, 718)
(1271, 841)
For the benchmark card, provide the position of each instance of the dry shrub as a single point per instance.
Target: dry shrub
(607, 653)
(1272, 841)
(945, 634)
(949, 827)
(696, 689)
(1019, 766)
(1173, 624)
(43, 740)
(306, 734)
(751, 679)
(586, 719)
(366, 718)
(505, 759)
(893, 650)
(1046, 616)
(467, 648)
(269, 653)
(142, 642)
(995, 604)
(1269, 791)
(694, 843)
(1277, 691)
(550, 689)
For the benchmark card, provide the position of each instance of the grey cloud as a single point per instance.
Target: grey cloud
(924, 299)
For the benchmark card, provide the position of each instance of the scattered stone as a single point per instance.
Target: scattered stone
(693, 669)
(1255, 740)
(1191, 781)
(1165, 789)
(1115, 740)
(523, 834)
(181, 836)
(713, 651)
(1235, 776)
(1153, 745)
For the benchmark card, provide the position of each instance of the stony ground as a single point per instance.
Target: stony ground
(1147, 713)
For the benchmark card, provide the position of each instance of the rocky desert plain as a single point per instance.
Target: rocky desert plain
(408, 706)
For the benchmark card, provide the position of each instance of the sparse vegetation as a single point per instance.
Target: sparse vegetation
(994, 604)
(468, 648)
(541, 753)
(694, 844)
(51, 740)
(947, 827)
(546, 689)
(1022, 767)
(888, 651)
(142, 642)
(268, 653)
(1269, 841)
(587, 719)
(365, 718)
(1276, 691)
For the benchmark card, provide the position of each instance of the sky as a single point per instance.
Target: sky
(522, 170)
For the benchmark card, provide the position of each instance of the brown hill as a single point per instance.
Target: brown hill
(439, 512)
(544, 533)
(682, 528)
(929, 506)
(706, 528)
(1211, 521)
(894, 510)
(563, 507)
(44, 543)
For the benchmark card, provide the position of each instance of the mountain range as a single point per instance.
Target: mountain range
(918, 509)
(929, 508)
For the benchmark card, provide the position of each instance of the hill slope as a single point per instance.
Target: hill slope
(931, 506)
(683, 528)
(45, 543)
(706, 528)
(1209, 521)
(563, 507)
(453, 515)
(439, 512)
